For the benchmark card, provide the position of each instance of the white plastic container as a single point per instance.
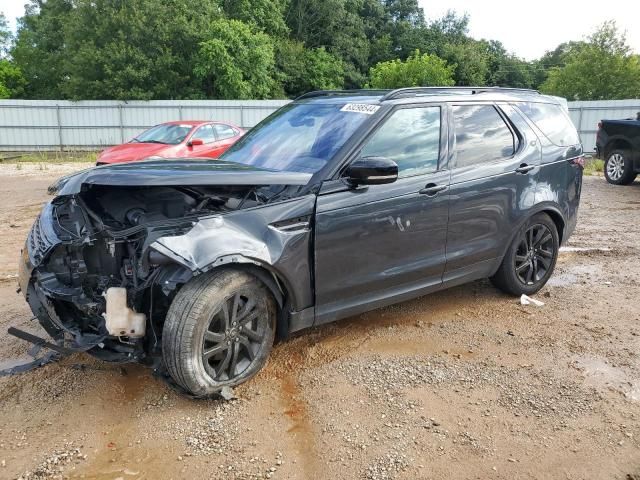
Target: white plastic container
(121, 321)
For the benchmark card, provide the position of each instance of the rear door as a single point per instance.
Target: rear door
(496, 161)
(226, 136)
(383, 243)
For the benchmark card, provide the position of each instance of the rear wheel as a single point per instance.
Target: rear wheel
(219, 331)
(618, 168)
(530, 259)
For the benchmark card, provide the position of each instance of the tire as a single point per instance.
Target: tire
(618, 168)
(525, 270)
(202, 348)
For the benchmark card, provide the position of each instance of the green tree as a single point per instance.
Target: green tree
(513, 72)
(5, 36)
(268, 15)
(417, 71)
(449, 29)
(553, 58)
(302, 70)
(603, 69)
(236, 61)
(12, 81)
(471, 62)
(39, 49)
(101, 49)
(336, 25)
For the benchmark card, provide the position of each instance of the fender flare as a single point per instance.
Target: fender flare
(540, 208)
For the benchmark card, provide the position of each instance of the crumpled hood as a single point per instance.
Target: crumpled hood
(175, 173)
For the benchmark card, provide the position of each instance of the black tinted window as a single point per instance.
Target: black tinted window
(411, 138)
(552, 121)
(481, 135)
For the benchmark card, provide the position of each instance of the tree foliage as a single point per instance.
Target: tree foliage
(601, 69)
(417, 71)
(172, 49)
(267, 15)
(101, 49)
(302, 69)
(236, 61)
(5, 36)
(12, 81)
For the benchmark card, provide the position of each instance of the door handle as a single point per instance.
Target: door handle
(524, 168)
(431, 189)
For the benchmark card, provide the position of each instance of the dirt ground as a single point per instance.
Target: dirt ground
(465, 384)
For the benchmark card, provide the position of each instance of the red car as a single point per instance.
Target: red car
(183, 139)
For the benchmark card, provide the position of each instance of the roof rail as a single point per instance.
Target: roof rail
(328, 93)
(415, 91)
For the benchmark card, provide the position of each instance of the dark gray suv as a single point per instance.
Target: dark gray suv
(338, 203)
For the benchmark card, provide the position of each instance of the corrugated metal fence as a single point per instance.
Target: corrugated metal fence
(586, 115)
(63, 125)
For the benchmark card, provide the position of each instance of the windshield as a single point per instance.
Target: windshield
(298, 137)
(169, 134)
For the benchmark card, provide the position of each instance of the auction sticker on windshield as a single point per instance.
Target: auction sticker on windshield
(360, 108)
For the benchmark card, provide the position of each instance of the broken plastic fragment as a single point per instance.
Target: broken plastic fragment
(525, 300)
(227, 393)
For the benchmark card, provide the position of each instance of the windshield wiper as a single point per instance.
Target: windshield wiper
(153, 141)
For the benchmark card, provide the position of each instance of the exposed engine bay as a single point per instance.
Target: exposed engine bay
(95, 278)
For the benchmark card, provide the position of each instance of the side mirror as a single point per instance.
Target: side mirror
(372, 171)
(194, 142)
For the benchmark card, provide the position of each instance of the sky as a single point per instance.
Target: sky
(527, 29)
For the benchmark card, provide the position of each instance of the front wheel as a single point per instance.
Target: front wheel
(530, 258)
(219, 331)
(618, 168)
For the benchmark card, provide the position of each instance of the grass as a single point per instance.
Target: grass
(594, 166)
(44, 158)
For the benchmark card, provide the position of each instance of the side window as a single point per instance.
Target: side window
(224, 131)
(482, 136)
(411, 138)
(205, 133)
(552, 121)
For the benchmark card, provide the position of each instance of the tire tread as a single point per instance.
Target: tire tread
(183, 317)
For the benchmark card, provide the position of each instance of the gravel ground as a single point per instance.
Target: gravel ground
(466, 383)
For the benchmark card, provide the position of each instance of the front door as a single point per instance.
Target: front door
(208, 137)
(381, 244)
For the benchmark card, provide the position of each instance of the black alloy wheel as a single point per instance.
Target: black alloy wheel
(534, 254)
(234, 337)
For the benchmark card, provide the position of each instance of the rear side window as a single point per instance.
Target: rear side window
(205, 133)
(411, 138)
(482, 136)
(552, 121)
(224, 131)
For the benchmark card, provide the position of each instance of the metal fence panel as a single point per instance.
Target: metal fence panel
(586, 115)
(62, 125)
(65, 125)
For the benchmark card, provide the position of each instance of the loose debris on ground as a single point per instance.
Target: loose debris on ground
(466, 383)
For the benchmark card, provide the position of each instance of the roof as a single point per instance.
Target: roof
(194, 123)
(410, 95)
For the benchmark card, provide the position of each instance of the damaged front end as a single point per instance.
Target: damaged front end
(96, 270)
